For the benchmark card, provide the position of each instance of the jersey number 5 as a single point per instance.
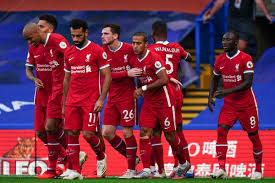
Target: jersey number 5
(168, 62)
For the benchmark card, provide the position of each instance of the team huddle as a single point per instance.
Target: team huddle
(72, 83)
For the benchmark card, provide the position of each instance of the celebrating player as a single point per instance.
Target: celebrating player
(172, 53)
(158, 104)
(236, 69)
(83, 99)
(121, 104)
(54, 48)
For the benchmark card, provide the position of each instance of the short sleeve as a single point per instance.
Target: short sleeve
(158, 64)
(30, 59)
(63, 45)
(248, 65)
(216, 70)
(102, 59)
(183, 53)
(67, 67)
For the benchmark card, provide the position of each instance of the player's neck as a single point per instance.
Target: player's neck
(43, 37)
(140, 56)
(114, 44)
(160, 39)
(232, 52)
(85, 43)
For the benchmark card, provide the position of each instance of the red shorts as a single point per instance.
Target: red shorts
(81, 118)
(150, 117)
(54, 107)
(248, 117)
(124, 113)
(39, 118)
(178, 105)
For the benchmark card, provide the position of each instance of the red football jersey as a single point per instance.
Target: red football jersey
(84, 64)
(232, 70)
(55, 47)
(43, 72)
(151, 64)
(172, 53)
(119, 63)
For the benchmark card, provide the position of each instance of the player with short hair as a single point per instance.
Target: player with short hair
(236, 68)
(172, 53)
(158, 104)
(54, 48)
(121, 107)
(83, 97)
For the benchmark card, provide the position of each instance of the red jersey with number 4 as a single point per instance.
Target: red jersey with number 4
(43, 72)
(122, 86)
(232, 70)
(172, 52)
(151, 64)
(84, 64)
(55, 47)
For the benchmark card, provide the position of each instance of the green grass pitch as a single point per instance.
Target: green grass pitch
(18, 179)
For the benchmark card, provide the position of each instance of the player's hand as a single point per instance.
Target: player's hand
(134, 72)
(207, 16)
(220, 93)
(38, 83)
(138, 93)
(98, 105)
(269, 18)
(211, 102)
(176, 82)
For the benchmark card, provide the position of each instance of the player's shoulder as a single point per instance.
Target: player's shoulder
(70, 50)
(174, 45)
(221, 57)
(154, 56)
(244, 55)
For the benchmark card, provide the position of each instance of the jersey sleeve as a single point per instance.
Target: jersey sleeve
(248, 65)
(158, 64)
(102, 59)
(216, 70)
(30, 59)
(62, 45)
(183, 53)
(67, 67)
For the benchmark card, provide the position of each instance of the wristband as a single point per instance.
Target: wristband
(144, 88)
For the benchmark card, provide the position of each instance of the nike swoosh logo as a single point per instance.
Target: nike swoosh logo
(221, 67)
(35, 56)
(109, 60)
(91, 124)
(71, 58)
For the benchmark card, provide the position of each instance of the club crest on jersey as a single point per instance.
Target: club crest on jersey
(51, 52)
(157, 64)
(63, 45)
(104, 55)
(88, 57)
(249, 64)
(125, 58)
(88, 69)
(237, 67)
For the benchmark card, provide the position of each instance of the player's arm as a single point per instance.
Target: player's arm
(66, 83)
(212, 89)
(134, 72)
(106, 72)
(211, 12)
(247, 83)
(161, 81)
(262, 5)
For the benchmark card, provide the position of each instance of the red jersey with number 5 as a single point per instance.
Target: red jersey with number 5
(172, 52)
(151, 64)
(232, 70)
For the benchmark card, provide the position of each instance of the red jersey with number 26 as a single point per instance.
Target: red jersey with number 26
(151, 64)
(84, 65)
(232, 70)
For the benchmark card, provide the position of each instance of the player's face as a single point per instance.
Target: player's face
(79, 36)
(139, 45)
(33, 37)
(229, 42)
(44, 26)
(107, 36)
